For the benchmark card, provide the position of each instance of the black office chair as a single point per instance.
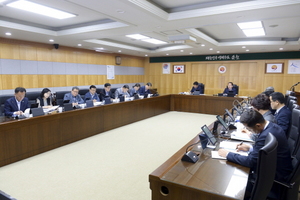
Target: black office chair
(291, 186)
(293, 133)
(288, 98)
(4, 196)
(266, 169)
(203, 87)
(237, 88)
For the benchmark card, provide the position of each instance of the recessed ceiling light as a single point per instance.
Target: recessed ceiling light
(280, 48)
(254, 32)
(7, 33)
(191, 53)
(154, 41)
(181, 50)
(167, 54)
(100, 48)
(40, 9)
(218, 51)
(51, 40)
(202, 45)
(146, 55)
(247, 49)
(79, 45)
(250, 25)
(243, 47)
(137, 36)
(211, 49)
(120, 51)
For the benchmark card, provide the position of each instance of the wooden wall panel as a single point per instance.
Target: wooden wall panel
(45, 81)
(29, 80)
(59, 80)
(249, 75)
(10, 51)
(28, 52)
(11, 81)
(23, 50)
(44, 54)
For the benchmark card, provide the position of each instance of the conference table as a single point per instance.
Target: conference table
(23, 138)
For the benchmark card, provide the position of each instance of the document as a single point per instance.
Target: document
(215, 154)
(237, 135)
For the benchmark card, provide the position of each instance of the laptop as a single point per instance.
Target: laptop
(107, 101)
(37, 112)
(89, 103)
(211, 138)
(136, 96)
(220, 94)
(68, 106)
(230, 95)
(66, 101)
(122, 98)
(34, 105)
(145, 96)
(197, 92)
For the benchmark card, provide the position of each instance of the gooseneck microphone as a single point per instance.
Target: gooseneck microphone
(293, 87)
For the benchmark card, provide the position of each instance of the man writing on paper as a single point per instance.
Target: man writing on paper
(256, 123)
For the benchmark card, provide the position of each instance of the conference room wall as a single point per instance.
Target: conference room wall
(249, 75)
(36, 65)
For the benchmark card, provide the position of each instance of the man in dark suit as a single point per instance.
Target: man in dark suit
(145, 89)
(197, 87)
(104, 93)
(255, 122)
(283, 114)
(15, 106)
(91, 95)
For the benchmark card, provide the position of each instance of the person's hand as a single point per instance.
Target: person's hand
(223, 152)
(246, 131)
(242, 147)
(18, 112)
(94, 100)
(74, 104)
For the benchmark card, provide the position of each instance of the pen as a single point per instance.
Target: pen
(239, 144)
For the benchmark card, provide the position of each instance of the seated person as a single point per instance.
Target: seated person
(145, 89)
(16, 106)
(74, 97)
(44, 99)
(104, 93)
(261, 103)
(269, 91)
(283, 114)
(134, 90)
(230, 89)
(197, 87)
(123, 91)
(255, 122)
(91, 95)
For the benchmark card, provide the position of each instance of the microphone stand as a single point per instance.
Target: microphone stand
(293, 87)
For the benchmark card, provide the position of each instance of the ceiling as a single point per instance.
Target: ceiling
(103, 24)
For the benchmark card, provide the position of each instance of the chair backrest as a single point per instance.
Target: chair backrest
(288, 98)
(203, 87)
(237, 88)
(293, 134)
(291, 191)
(291, 104)
(266, 168)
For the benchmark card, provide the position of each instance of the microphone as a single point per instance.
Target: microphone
(292, 88)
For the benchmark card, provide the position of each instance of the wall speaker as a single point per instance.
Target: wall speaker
(56, 46)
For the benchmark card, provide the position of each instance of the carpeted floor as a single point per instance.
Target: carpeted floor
(113, 165)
